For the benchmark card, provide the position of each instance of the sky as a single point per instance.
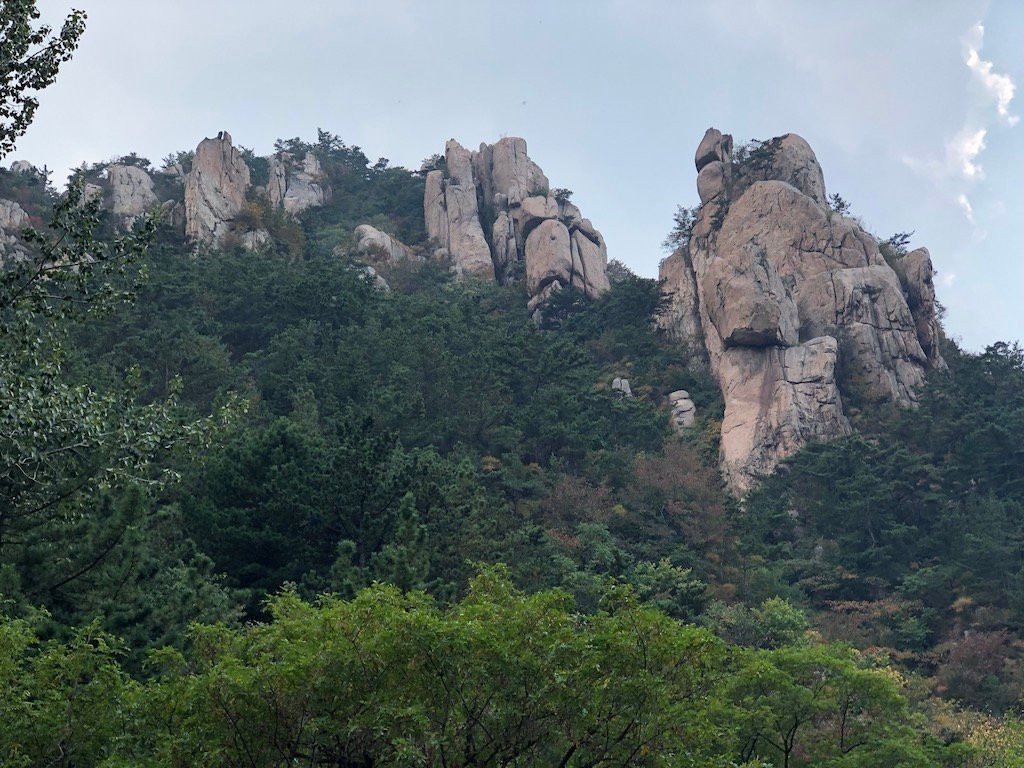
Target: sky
(910, 106)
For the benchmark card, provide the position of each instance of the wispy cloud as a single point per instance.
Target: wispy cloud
(961, 158)
(999, 86)
(959, 168)
(965, 204)
(963, 150)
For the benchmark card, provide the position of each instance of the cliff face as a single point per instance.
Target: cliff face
(493, 213)
(774, 290)
(215, 190)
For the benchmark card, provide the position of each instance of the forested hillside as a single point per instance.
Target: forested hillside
(263, 505)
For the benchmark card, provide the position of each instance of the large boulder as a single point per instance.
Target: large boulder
(714, 147)
(785, 158)
(380, 247)
(683, 411)
(505, 168)
(296, 186)
(467, 247)
(548, 257)
(132, 193)
(589, 264)
(779, 291)
(746, 299)
(215, 190)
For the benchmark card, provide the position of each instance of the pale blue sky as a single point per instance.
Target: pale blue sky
(612, 96)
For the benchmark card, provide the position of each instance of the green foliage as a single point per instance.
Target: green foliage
(561, 194)
(31, 58)
(498, 678)
(678, 237)
(894, 248)
(390, 198)
(910, 536)
(838, 204)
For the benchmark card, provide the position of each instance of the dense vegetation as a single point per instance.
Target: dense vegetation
(255, 511)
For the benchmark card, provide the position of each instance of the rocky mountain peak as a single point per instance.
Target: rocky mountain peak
(776, 291)
(215, 190)
(494, 214)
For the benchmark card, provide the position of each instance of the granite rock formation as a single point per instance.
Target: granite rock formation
(297, 185)
(13, 219)
(683, 411)
(775, 290)
(492, 212)
(379, 247)
(215, 191)
(131, 191)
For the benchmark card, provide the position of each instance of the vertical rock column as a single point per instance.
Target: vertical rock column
(215, 190)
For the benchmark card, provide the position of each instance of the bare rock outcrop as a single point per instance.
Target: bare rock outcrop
(778, 290)
(621, 386)
(492, 212)
(13, 217)
(215, 191)
(683, 411)
(297, 185)
(379, 247)
(917, 276)
(777, 400)
(24, 167)
(132, 193)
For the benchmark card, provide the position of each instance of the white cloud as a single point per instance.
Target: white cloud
(949, 279)
(966, 205)
(1000, 87)
(961, 160)
(962, 152)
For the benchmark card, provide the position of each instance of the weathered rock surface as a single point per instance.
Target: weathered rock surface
(683, 411)
(713, 147)
(777, 289)
(548, 256)
(380, 247)
(13, 217)
(215, 190)
(680, 320)
(917, 276)
(776, 401)
(790, 159)
(485, 210)
(24, 167)
(132, 193)
(621, 386)
(371, 276)
(296, 186)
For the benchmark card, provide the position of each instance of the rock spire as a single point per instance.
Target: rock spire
(778, 293)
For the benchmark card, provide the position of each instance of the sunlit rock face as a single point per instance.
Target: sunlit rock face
(493, 214)
(776, 292)
(215, 190)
